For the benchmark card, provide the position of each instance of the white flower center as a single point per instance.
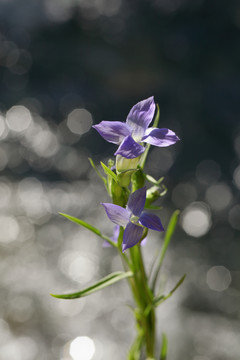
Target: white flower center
(134, 220)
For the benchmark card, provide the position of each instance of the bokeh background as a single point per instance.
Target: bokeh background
(65, 65)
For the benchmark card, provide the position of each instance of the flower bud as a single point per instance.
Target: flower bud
(125, 168)
(138, 180)
(152, 194)
(123, 164)
(119, 194)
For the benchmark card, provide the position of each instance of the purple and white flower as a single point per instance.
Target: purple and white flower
(133, 218)
(135, 130)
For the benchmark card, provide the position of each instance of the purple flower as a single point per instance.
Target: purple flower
(133, 218)
(114, 237)
(128, 135)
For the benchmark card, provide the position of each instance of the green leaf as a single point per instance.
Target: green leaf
(109, 172)
(153, 207)
(154, 181)
(163, 190)
(168, 235)
(89, 227)
(101, 284)
(98, 172)
(126, 171)
(160, 299)
(164, 347)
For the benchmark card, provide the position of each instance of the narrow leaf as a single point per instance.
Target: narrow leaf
(168, 235)
(109, 172)
(154, 181)
(164, 347)
(163, 190)
(89, 227)
(160, 299)
(104, 282)
(98, 172)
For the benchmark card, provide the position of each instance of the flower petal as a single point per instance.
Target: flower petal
(117, 214)
(160, 137)
(116, 232)
(129, 148)
(113, 131)
(131, 236)
(144, 241)
(136, 201)
(151, 221)
(140, 116)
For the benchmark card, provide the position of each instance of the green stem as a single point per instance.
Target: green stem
(149, 311)
(135, 351)
(145, 312)
(143, 297)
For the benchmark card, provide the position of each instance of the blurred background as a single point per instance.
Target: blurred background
(65, 65)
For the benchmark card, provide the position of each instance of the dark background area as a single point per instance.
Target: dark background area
(87, 61)
(109, 56)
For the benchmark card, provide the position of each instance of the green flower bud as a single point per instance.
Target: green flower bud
(119, 194)
(138, 180)
(152, 194)
(125, 168)
(123, 164)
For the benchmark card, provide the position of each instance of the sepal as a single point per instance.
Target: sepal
(119, 194)
(138, 179)
(109, 172)
(154, 181)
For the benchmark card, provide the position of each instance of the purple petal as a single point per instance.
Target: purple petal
(136, 201)
(116, 232)
(160, 137)
(151, 221)
(117, 214)
(113, 131)
(140, 116)
(114, 238)
(129, 148)
(131, 236)
(144, 241)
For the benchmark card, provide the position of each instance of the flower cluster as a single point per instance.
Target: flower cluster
(131, 136)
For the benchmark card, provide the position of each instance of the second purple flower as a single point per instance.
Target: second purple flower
(133, 218)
